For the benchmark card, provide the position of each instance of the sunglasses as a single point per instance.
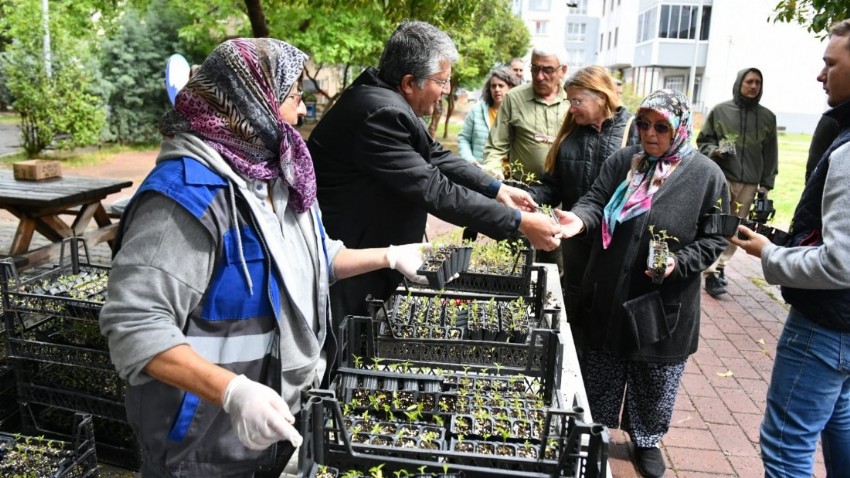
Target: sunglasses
(660, 128)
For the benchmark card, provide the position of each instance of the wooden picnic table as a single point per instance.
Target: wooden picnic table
(39, 206)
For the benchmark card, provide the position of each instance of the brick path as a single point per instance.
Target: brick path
(715, 425)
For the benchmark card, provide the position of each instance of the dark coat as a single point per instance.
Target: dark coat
(580, 156)
(379, 174)
(616, 276)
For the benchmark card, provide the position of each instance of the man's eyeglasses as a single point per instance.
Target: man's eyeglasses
(660, 128)
(443, 83)
(547, 70)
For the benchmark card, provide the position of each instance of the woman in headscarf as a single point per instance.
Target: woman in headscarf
(639, 334)
(218, 297)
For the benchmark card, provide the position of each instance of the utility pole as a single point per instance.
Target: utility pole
(693, 74)
(45, 22)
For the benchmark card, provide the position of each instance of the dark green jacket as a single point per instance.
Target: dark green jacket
(756, 155)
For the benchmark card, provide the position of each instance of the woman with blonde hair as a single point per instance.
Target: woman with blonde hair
(595, 126)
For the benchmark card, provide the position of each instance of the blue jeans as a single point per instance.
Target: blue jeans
(809, 395)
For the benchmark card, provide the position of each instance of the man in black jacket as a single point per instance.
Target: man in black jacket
(379, 173)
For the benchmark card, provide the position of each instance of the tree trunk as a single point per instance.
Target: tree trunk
(435, 118)
(259, 27)
(449, 113)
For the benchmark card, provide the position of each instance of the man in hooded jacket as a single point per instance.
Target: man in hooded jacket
(740, 135)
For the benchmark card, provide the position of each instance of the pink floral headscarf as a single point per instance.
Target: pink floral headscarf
(232, 101)
(634, 195)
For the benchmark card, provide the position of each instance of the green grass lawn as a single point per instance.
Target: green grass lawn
(80, 157)
(793, 152)
(9, 118)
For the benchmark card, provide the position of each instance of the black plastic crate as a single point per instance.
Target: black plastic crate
(575, 449)
(56, 459)
(535, 296)
(57, 339)
(516, 282)
(541, 356)
(51, 314)
(115, 442)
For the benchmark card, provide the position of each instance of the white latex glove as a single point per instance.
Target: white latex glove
(259, 414)
(407, 259)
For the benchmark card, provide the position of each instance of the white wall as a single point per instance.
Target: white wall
(789, 57)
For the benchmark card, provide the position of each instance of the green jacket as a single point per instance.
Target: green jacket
(753, 128)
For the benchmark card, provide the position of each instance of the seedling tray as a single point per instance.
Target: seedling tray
(515, 283)
(57, 339)
(116, 443)
(575, 449)
(540, 356)
(37, 456)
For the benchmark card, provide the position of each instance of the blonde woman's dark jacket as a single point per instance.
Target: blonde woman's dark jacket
(580, 157)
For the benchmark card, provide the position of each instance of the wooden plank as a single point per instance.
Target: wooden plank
(67, 190)
(23, 237)
(84, 217)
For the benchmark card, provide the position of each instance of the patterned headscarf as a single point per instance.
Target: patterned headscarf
(231, 102)
(634, 195)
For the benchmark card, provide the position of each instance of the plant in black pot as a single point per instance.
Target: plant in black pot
(659, 251)
(719, 222)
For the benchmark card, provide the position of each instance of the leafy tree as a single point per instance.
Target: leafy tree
(56, 107)
(351, 33)
(132, 66)
(816, 15)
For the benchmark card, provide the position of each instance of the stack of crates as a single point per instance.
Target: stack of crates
(61, 360)
(38, 456)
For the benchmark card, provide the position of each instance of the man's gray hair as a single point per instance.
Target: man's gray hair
(418, 49)
(553, 49)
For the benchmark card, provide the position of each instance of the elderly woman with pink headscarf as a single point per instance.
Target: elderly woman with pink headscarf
(218, 312)
(639, 334)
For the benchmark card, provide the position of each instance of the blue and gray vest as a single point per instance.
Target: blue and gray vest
(230, 327)
(828, 308)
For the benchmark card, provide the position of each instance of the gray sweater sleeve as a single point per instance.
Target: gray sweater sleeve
(158, 276)
(826, 266)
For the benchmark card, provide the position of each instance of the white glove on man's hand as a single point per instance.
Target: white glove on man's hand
(259, 414)
(407, 259)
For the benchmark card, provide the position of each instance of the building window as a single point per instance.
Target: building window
(616, 36)
(680, 21)
(673, 21)
(539, 5)
(647, 25)
(540, 27)
(576, 31)
(580, 7)
(609, 40)
(675, 83)
(575, 58)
